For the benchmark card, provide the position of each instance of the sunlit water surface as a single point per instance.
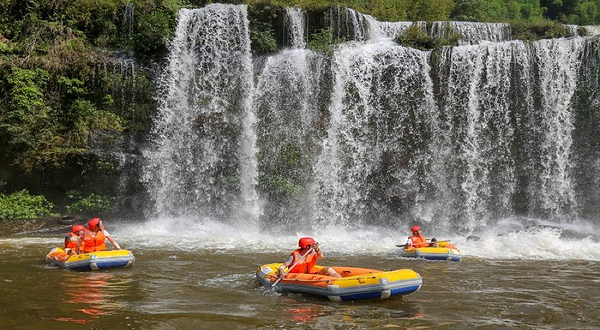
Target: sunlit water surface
(200, 275)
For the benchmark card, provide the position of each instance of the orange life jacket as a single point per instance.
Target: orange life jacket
(304, 266)
(418, 241)
(69, 243)
(93, 241)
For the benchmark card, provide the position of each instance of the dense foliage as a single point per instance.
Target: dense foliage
(97, 204)
(415, 37)
(22, 205)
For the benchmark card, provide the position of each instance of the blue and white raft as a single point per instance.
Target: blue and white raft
(91, 261)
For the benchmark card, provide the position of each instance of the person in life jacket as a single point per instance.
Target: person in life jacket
(417, 240)
(93, 239)
(306, 264)
(72, 238)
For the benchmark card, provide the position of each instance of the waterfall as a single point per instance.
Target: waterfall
(474, 164)
(380, 30)
(295, 26)
(377, 138)
(359, 27)
(124, 80)
(291, 93)
(348, 23)
(202, 158)
(473, 32)
(127, 21)
(506, 114)
(558, 63)
(376, 134)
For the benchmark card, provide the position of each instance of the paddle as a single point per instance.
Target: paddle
(292, 266)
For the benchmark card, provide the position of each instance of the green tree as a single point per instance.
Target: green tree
(587, 13)
(430, 10)
(25, 119)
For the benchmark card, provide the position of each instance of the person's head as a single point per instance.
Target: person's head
(95, 224)
(77, 229)
(415, 230)
(306, 242)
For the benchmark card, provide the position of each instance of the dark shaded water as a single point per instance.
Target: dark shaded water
(173, 288)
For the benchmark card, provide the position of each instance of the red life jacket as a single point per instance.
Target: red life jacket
(418, 241)
(93, 241)
(69, 243)
(304, 266)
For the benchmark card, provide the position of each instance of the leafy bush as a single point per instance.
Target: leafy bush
(262, 33)
(152, 32)
(415, 37)
(40, 132)
(539, 30)
(279, 186)
(92, 203)
(263, 39)
(323, 41)
(22, 205)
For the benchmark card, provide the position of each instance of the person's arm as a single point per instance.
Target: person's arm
(317, 251)
(111, 240)
(80, 243)
(285, 264)
(409, 243)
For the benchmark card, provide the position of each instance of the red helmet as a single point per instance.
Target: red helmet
(306, 241)
(77, 228)
(93, 223)
(415, 228)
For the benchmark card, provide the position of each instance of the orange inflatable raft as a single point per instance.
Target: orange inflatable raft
(355, 284)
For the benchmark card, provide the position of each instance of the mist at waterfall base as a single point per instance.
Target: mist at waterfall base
(377, 144)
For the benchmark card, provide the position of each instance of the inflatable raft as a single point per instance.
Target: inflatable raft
(91, 261)
(445, 251)
(355, 284)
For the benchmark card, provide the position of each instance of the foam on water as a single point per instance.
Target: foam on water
(509, 239)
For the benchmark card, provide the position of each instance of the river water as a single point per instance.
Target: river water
(191, 275)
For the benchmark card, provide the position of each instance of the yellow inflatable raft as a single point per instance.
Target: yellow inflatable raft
(444, 251)
(355, 284)
(91, 261)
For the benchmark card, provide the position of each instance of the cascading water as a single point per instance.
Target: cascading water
(378, 134)
(291, 97)
(388, 30)
(128, 21)
(376, 143)
(295, 27)
(473, 32)
(348, 24)
(558, 64)
(202, 160)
